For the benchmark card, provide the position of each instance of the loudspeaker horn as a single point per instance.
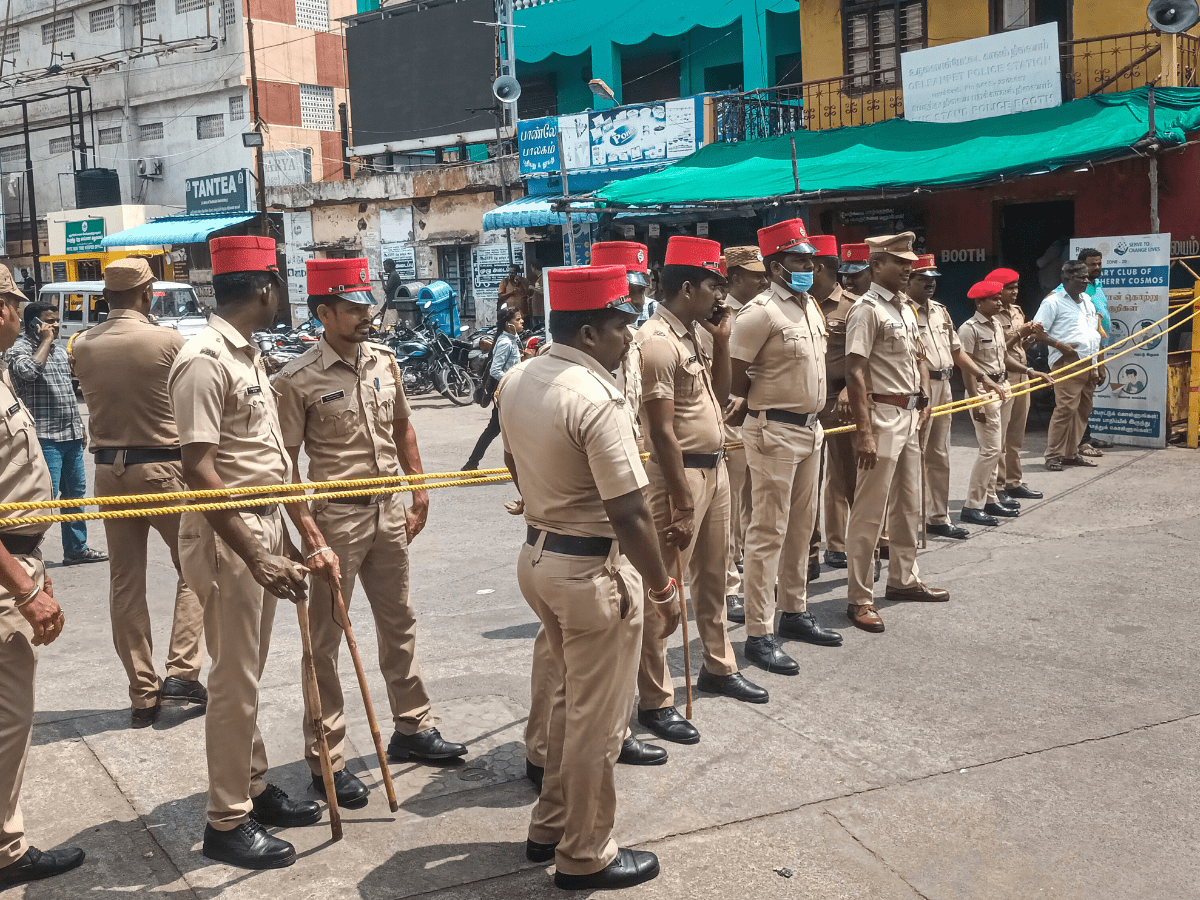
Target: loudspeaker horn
(507, 89)
(1173, 16)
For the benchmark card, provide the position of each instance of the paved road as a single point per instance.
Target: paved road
(1036, 737)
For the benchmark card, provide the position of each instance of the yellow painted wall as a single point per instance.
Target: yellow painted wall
(1099, 17)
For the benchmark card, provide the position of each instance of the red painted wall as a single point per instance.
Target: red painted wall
(278, 103)
(331, 153)
(330, 69)
(272, 10)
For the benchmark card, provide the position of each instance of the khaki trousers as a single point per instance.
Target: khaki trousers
(990, 435)
(541, 696)
(1008, 472)
(936, 437)
(1072, 406)
(704, 565)
(127, 543)
(372, 545)
(785, 462)
(591, 614)
(18, 662)
(891, 490)
(238, 615)
(841, 475)
(739, 516)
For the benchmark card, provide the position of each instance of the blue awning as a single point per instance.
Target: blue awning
(531, 212)
(174, 230)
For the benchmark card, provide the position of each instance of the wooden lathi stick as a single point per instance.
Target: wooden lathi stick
(312, 701)
(687, 649)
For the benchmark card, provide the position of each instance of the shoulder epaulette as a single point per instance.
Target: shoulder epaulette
(307, 358)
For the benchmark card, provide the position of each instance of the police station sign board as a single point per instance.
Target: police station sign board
(223, 192)
(1130, 406)
(85, 236)
(1010, 72)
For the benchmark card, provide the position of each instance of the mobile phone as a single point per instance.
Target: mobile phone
(718, 313)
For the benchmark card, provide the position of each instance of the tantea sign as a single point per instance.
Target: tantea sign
(223, 192)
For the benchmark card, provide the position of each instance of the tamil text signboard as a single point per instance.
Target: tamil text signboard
(489, 266)
(1011, 72)
(1130, 405)
(85, 236)
(403, 256)
(297, 239)
(223, 192)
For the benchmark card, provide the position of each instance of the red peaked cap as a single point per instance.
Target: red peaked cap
(588, 287)
(243, 253)
(683, 250)
(1004, 276)
(826, 244)
(338, 276)
(852, 253)
(984, 289)
(927, 265)
(788, 236)
(633, 256)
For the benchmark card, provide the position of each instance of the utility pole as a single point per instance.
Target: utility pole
(344, 117)
(260, 171)
(33, 225)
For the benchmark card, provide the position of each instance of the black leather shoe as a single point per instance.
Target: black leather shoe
(669, 725)
(1024, 491)
(803, 627)
(1004, 512)
(1004, 499)
(948, 530)
(176, 688)
(885, 552)
(814, 569)
(835, 559)
(274, 807)
(535, 774)
(977, 516)
(350, 791)
(426, 745)
(144, 717)
(765, 653)
(249, 846)
(735, 686)
(735, 609)
(629, 868)
(35, 864)
(639, 753)
(539, 853)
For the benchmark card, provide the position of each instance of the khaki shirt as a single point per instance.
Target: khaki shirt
(24, 477)
(571, 434)
(836, 308)
(782, 337)
(983, 341)
(122, 365)
(343, 413)
(221, 395)
(676, 367)
(1010, 319)
(937, 335)
(883, 328)
(629, 383)
(732, 432)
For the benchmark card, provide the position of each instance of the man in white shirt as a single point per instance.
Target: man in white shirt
(1072, 328)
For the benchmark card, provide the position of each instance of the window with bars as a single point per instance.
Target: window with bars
(110, 135)
(152, 131)
(59, 30)
(12, 159)
(210, 127)
(313, 14)
(454, 268)
(237, 108)
(316, 107)
(102, 19)
(12, 43)
(144, 12)
(60, 145)
(231, 11)
(187, 6)
(876, 33)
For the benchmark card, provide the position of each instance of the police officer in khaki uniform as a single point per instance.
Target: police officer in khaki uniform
(29, 615)
(343, 399)
(234, 559)
(684, 389)
(778, 353)
(590, 542)
(747, 276)
(888, 388)
(122, 365)
(983, 341)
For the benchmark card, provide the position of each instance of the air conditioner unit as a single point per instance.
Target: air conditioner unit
(150, 167)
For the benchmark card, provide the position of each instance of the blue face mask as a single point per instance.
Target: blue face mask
(801, 281)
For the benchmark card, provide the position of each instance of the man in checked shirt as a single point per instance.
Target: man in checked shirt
(41, 376)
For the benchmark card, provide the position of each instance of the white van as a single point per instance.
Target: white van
(81, 305)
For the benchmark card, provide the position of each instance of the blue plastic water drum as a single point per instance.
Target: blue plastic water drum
(443, 306)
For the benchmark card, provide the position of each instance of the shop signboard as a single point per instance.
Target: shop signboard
(489, 266)
(584, 238)
(284, 167)
(1010, 72)
(222, 192)
(85, 236)
(1130, 405)
(297, 236)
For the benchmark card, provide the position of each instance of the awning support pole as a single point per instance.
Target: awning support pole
(562, 164)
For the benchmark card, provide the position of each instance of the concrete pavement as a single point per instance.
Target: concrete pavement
(1035, 737)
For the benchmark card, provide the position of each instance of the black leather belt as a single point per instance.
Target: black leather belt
(1003, 376)
(135, 456)
(368, 500)
(569, 544)
(263, 511)
(21, 544)
(902, 401)
(941, 374)
(702, 460)
(804, 420)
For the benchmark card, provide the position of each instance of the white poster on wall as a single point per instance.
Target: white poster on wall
(403, 256)
(297, 234)
(1130, 406)
(1010, 72)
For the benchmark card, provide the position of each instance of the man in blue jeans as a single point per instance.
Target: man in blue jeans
(41, 376)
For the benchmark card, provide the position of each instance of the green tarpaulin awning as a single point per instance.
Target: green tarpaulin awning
(899, 154)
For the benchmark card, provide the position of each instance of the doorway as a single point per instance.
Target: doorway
(1033, 240)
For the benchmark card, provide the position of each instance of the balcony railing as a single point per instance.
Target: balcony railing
(1102, 65)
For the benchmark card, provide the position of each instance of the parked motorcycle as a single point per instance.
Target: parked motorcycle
(281, 346)
(427, 358)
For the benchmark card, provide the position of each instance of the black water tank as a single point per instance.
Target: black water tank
(97, 187)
